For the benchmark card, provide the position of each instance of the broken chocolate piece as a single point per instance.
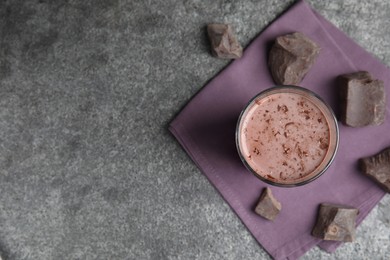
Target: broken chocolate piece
(363, 99)
(336, 222)
(378, 168)
(291, 57)
(268, 207)
(223, 42)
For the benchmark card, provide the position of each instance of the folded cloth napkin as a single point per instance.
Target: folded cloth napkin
(206, 130)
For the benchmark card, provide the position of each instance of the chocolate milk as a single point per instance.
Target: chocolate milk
(285, 137)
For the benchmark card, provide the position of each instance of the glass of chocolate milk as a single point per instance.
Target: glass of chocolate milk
(287, 136)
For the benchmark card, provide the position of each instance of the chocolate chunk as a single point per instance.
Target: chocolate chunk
(268, 207)
(378, 168)
(335, 222)
(363, 99)
(291, 57)
(223, 42)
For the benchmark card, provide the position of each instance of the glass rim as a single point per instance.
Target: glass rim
(332, 118)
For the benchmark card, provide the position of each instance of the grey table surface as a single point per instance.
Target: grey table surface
(88, 169)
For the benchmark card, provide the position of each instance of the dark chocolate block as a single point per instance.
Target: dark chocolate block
(336, 222)
(291, 57)
(378, 168)
(363, 99)
(224, 44)
(268, 207)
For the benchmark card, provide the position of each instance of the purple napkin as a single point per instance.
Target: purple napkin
(206, 128)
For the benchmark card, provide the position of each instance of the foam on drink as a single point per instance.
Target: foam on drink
(286, 137)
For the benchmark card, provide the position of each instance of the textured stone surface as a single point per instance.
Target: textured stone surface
(88, 169)
(336, 223)
(291, 57)
(378, 168)
(268, 206)
(224, 43)
(363, 99)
